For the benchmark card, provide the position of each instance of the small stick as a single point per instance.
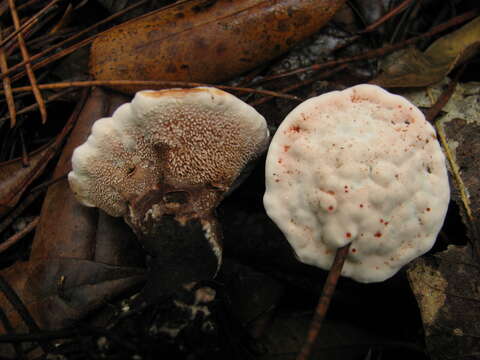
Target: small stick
(402, 6)
(29, 23)
(324, 302)
(6, 222)
(32, 107)
(380, 51)
(287, 89)
(19, 235)
(28, 67)
(373, 26)
(7, 86)
(159, 83)
(71, 48)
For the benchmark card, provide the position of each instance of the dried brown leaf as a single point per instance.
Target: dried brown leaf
(446, 289)
(82, 230)
(58, 292)
(80, 256)
(412, 68)
(459, 130)
(15, 177)
(205, 41)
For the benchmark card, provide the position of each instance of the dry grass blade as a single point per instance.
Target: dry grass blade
(28, 67)
(63, 42)
(152, 84)
(28, 24)
(7, 87)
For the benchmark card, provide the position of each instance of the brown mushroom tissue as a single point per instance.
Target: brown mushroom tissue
(205, 40)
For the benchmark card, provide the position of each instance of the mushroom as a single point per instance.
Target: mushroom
(359, 171)
(164, 162)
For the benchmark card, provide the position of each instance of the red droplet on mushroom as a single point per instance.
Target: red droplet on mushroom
(286, 148)
(366, 138)
(295, 128)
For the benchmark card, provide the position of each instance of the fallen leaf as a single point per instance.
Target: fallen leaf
(459, 129)
(84, 232)
(80, 257)
(446, 287)
(204, 40)
(15, 177)
(413, 68)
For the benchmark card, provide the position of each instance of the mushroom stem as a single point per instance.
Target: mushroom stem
(324, 302)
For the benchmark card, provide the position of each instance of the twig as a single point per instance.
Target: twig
(381, 51)
(287, 89)
(35, 106)
(22, 310)
(7, 86)
(71, 48)
(7, 325)
(443, 99)
(28, 67)
(49, 152)
(19, 235)
(395, 11)
(324, 302)
(46, 184)
(18, 210)
(373, 26)
(151, 83)
(29, 23)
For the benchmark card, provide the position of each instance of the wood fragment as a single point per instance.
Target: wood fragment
(7, 87)
(28, 67)
(12, 240)
(324, 302)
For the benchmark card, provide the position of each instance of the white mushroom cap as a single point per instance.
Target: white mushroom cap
(359, 166)
(179, 137)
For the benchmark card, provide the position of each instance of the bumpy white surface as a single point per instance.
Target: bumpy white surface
(176, 136)
(361, 166)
